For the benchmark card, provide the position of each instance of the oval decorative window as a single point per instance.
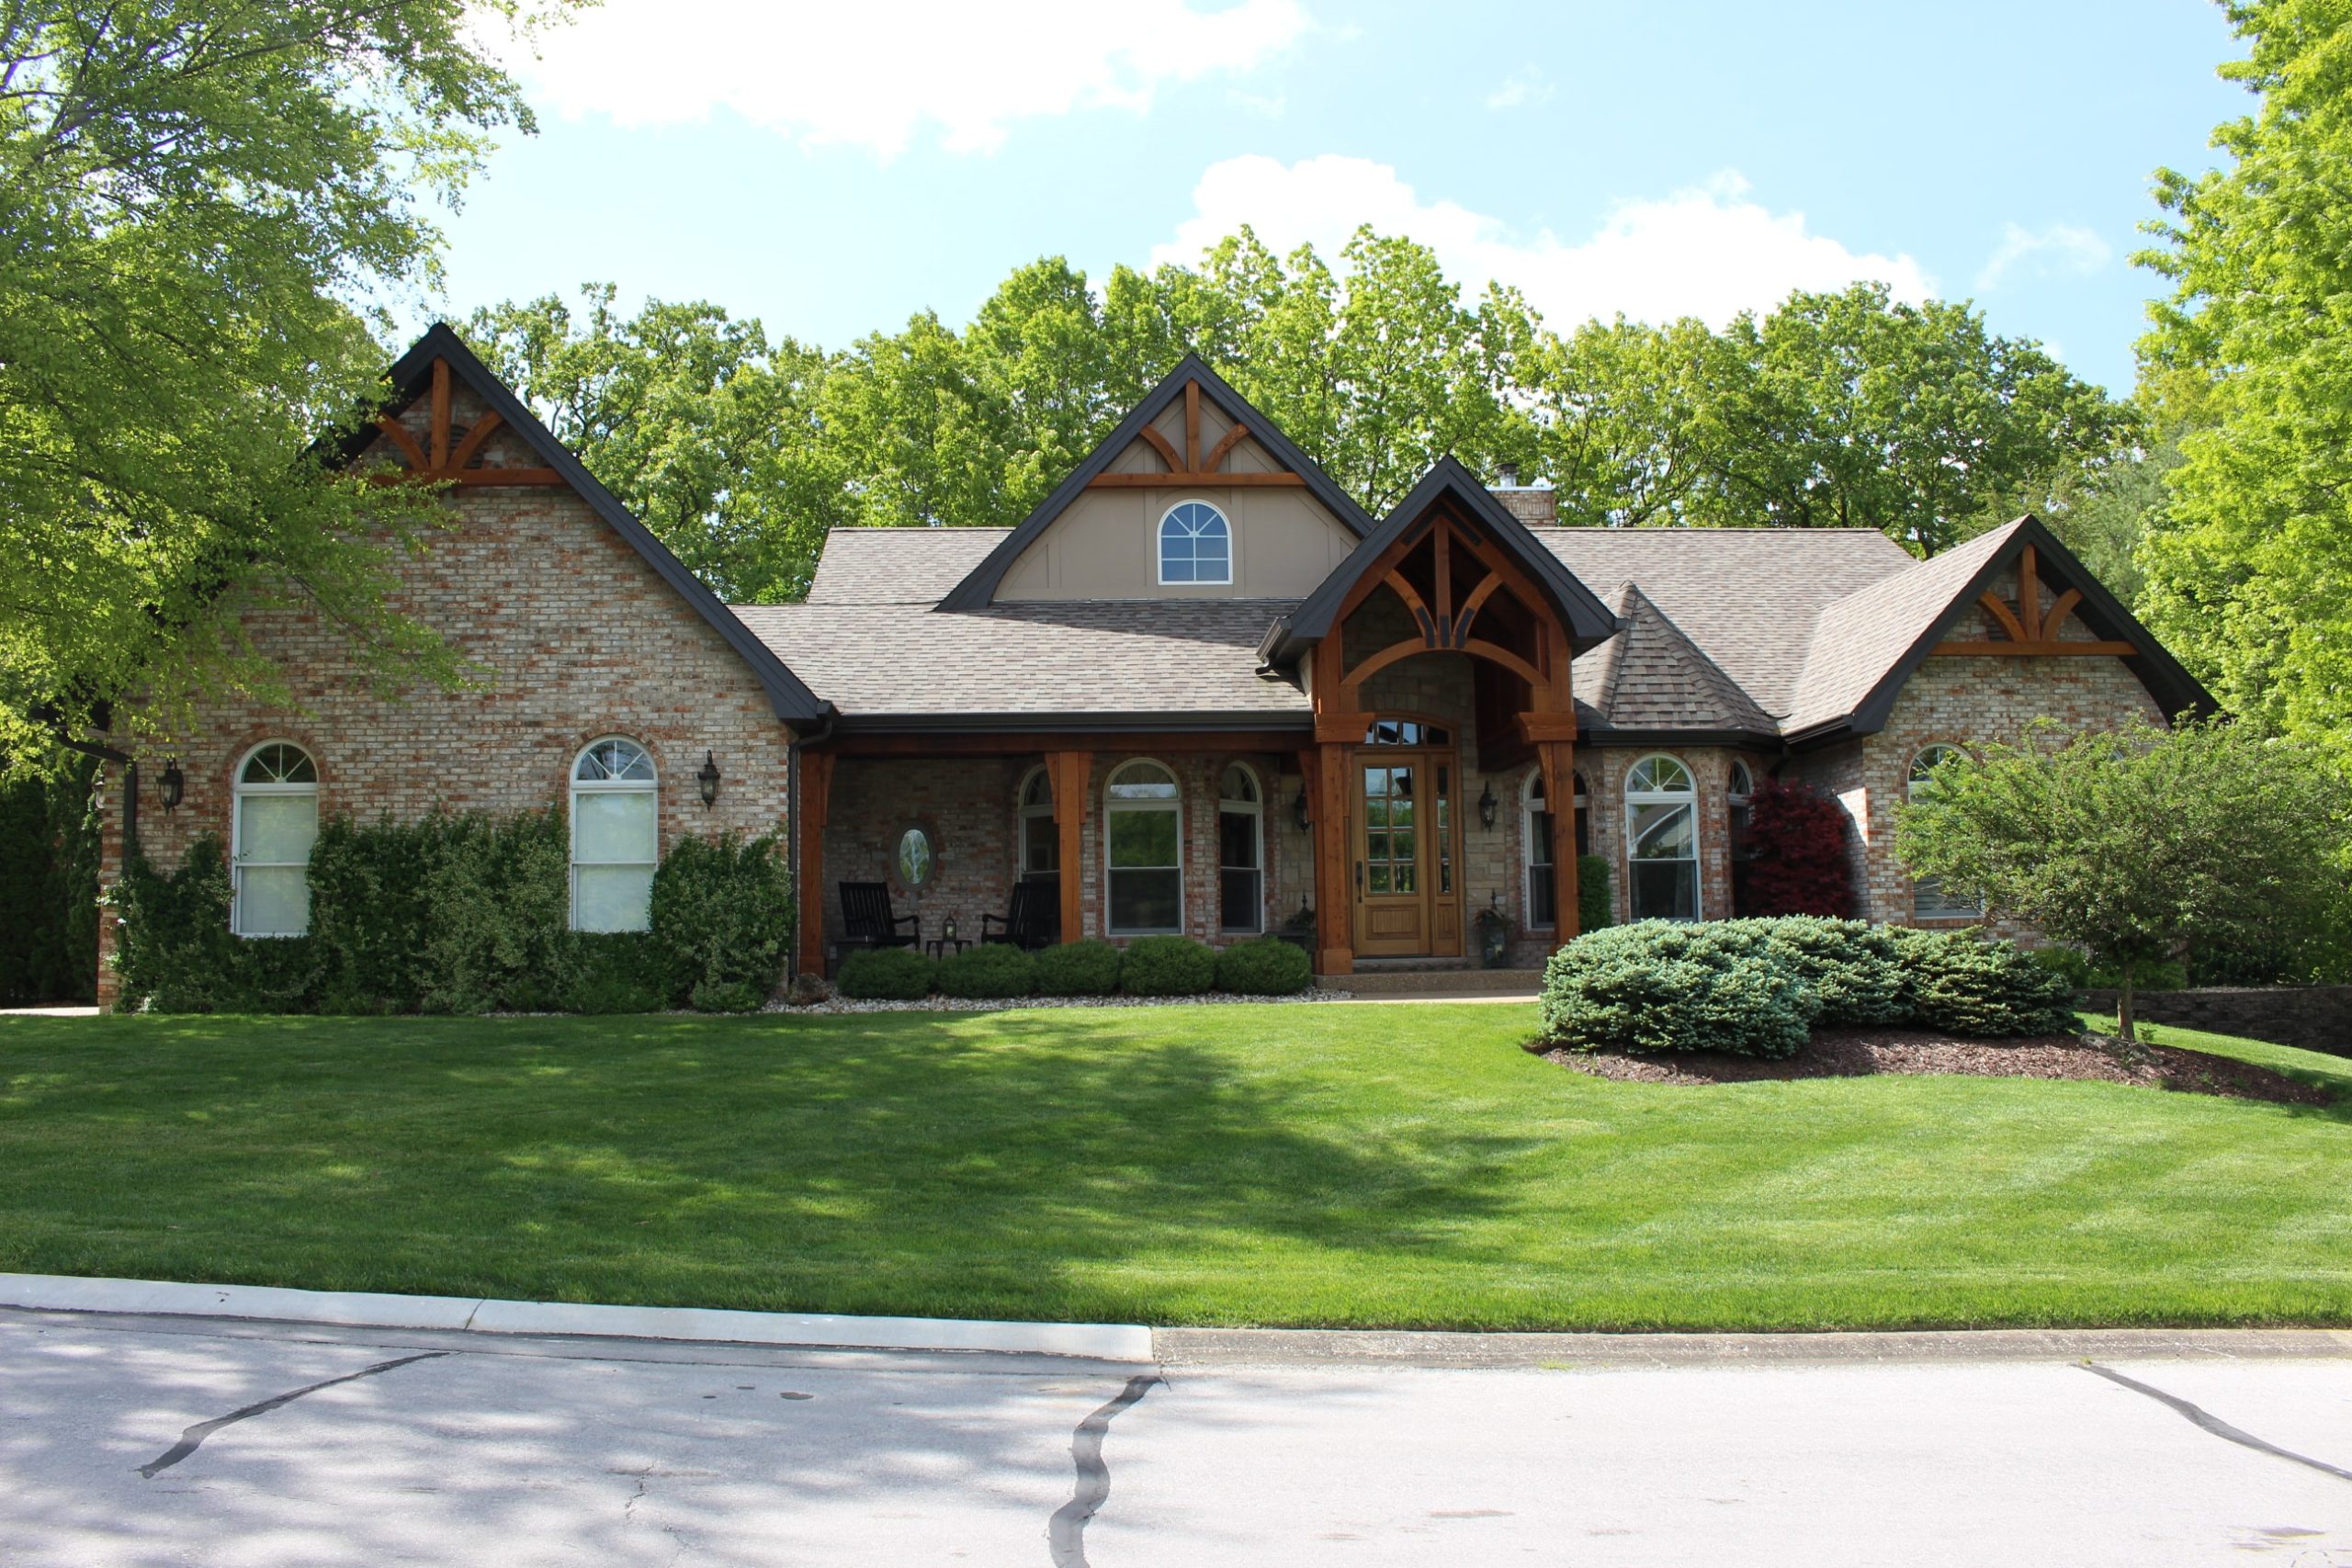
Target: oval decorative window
(916, 858)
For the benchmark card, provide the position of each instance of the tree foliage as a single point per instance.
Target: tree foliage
(1798, 838)
(2250, 570)
(2140, 844)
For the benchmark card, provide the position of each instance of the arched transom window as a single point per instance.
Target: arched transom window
(1929, 899)
(1240, 851)
(616, 837)
(276, 821)
(1662, 840)
(1143, 820)
(1195, 544)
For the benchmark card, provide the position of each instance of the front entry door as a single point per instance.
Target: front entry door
(1407, 905)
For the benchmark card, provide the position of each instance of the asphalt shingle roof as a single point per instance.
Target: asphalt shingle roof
(1859, 636)
(898, 566)
(1652, 676)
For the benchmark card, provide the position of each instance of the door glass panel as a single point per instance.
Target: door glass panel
(1389, 847)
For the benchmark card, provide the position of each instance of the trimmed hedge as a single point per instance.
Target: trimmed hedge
(1666, 986)
(458, 913)
(1759, 986)
(887, 975)
(1088, 968)
(1596, 911)
(991, 969)
(1167, 966)
(1263, 966)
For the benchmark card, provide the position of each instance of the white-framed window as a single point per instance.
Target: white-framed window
(616, 837)
(1929, 899)
(1662, 840)
(1539, 846)
(1240, 851)
(1039, 842)
(276, 822)
(1195, 544)
(1143, 824)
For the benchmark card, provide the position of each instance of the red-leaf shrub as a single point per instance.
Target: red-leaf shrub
(1798, 839)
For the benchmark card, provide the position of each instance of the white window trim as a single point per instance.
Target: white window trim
(1255, 811)
(1528, 789)
(1636, 798)
(581, 786)
(1911, 783)
(1159, 545)
(1111, 809)
(238, 790)
(1024, 814)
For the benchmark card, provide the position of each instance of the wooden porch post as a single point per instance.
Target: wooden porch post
(1069, 774)
(816, 793)
(1335, 908)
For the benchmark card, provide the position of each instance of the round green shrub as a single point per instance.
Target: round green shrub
(1665, 986)
(991, 969)
(887, 975)
(1088, 968)
(1959, 982)
(1263, 966)
(1851, 965)
(1168, 967)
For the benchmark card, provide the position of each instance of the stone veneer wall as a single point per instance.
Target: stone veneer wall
(577, 637)
(2312, 1017)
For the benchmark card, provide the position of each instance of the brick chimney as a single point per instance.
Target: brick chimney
(1538, 506)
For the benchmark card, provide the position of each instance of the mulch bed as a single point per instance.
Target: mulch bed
(1856, 1052)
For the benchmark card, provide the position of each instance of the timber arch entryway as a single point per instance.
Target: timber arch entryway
(1408, 841)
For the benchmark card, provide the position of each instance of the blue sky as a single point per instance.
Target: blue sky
(833, 169)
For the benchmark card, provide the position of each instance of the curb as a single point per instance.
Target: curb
(473, 1315)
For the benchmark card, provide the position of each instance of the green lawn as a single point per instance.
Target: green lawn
(1279, 1165)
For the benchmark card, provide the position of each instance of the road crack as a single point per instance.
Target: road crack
(2215, 1425)
(1067, 1531)
(191, 1440)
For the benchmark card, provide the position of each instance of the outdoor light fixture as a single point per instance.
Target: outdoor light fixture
(708, 776)
(1298, 809)
(947, 929)
(1487, 806)
(172, 785)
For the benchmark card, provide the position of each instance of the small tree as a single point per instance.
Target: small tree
(2138, 843)
(1798, 837)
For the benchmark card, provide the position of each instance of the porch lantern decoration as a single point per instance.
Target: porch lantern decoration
(708, 776)
(947, 929)
(173, 785)
(1298, 809)
(1487, 806)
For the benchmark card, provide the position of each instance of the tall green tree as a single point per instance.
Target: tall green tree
(191, 194)
(2250, 569)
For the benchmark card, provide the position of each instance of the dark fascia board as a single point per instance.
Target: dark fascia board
(2175, 689)
(1173, 723)
(979, 585)
(1589, 622)
(792, 700)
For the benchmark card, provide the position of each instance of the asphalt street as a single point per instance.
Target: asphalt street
(150, 1441)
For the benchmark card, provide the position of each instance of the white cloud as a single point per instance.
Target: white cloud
(876, 73)
(2055, 248)
(1521, 88)
(1709, 252)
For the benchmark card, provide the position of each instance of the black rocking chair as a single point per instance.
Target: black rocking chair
(1035, 917)
(867, 920)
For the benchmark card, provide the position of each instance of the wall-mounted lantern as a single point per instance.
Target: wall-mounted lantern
(1298, 809)
(1487, 806)
(173, 787)
(708, 776)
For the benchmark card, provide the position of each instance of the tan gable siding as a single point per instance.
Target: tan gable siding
(1105, 546)
(581, 638)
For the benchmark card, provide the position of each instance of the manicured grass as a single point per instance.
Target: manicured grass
(1280, 1165)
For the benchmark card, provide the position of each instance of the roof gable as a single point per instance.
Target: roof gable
(978, 587)
(898, 566)
(412, 375)
(1652, 677)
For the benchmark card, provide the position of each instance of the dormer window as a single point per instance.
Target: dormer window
(1195, 544)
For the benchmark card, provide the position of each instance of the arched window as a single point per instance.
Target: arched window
(1240, 851)
(1143, 821)
(1662, 840)
(1539, 846)
(1040, 842)
(616, 838)
(277, 821)
(1929, 899)
(1195, 544)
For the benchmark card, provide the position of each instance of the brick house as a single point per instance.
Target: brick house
(1198, 689)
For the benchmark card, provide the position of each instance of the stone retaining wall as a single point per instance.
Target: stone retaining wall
(2317, 1017)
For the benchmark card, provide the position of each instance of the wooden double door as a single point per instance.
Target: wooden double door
(1407, 852)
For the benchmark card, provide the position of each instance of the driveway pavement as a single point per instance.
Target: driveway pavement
(191, 1441)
